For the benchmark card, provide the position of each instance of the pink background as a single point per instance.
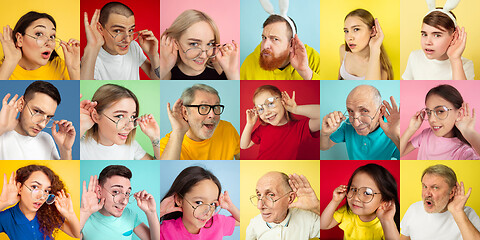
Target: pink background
(226, 15)
(413, 94)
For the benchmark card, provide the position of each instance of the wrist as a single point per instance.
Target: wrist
(306, 74)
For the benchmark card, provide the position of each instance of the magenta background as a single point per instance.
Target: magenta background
(413, 94)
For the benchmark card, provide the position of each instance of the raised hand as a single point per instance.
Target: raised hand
(94, 36)
(306, 197)
(466, 122)
(149, 126)
(299, 58)
(145, 201)
(339, 193)
(8, 113)
(63, 203)
(416, 120)
(457, 46)
(87, 107)
(179, 124)
(252, 116)
(386, 211)
(331, 122)
(168, 55)
(392, 114)
(65, 136)
(225, 201)
(71, 50)
(377, 36)
(168, 205)
(11, 52)
(459, 199)
(90, 203)
(289, 103)
(228, 58)
(9, 195)
(148, 42)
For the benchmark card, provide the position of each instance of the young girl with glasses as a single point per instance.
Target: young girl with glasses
(189, 209)
(108, 125)
(190, 50)
(30, 51)
(372, 208)
(451, 135)
(279, 135)
(40, 203)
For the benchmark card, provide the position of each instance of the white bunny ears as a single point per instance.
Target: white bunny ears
(449, 5)
(283, 4)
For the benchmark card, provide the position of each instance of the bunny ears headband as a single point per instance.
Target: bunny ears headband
(268, 7)
(449, 5)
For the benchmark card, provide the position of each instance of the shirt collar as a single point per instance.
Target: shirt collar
(19, 216)
(284, 223)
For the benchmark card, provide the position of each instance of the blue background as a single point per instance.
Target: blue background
(227, 172)
(333, 95)
(229, 92)
(305, 14)
(145, 176)
(68, 108)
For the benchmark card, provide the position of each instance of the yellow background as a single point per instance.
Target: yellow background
(251, 171)
(332, 15)
(65, 13)
(411, 185)
(69, 173)
(412, 13)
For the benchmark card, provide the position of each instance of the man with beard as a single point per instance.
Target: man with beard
(197, 131)
(281, 55)
(442, 214)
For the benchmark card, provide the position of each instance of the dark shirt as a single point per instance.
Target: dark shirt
(207, 74)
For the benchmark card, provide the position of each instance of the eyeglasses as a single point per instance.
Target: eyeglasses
(202, 210)
(38, 194)
(267, 201)
(269, 103)
(364, 119)
(38, 118)
(120, 37)
(204, 109)
(119, 197)
(195, 52)
(365, 194)
(122, 123)
(441, 112)
(42, 40)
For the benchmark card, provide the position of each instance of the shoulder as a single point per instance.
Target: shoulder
(342, 51)
(252, 58)
(311, 52)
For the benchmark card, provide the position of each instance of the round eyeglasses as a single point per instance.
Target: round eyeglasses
(364, 119)
(267, 201)
(365, 194)
(123, 123)
(42, 40)
(120, 37)
(204, 109)
(120, 197)
(269, 103)
(203, 210)
(441, 112)
(38, 194)
(195, 52)
(38, 118)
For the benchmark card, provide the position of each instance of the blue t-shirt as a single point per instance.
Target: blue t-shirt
(103, 227)
(14, 223)
(375, 146)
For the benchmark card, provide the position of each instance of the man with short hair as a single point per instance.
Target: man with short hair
(281, 55)
(111, 52)
(280, 217)
(104, 213)
(442, 213)
(366, 133)
(23, 138)
(197, 131)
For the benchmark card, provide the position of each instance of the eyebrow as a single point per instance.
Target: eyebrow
(352, 26)
(433, 32)
(123, 111)
(120, 26)
(120, 186)
(42, 26)
(38, 183)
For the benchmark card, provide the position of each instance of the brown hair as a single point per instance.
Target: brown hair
(276, 18)
(48, 216)
(113, 7)
(105, 96)
(441, 170)
(274, 91)
(368, 19)
(440, 20)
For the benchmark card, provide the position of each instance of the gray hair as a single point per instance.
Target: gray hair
(441, 170)
(188, 95)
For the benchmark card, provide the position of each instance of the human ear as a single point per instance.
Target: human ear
(98, 192)
(373, 31)
(19, 185)
(21, 103)
(19, 37)
(178, 200)
(100, 28)
(95, 116)
(291, 197)
(185, 113)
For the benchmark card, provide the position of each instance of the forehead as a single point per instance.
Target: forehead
(362, 179)
(435, 100)
(124, 104)
(199, 31)
(262, 97)
(427, 28)
(269, 183)
(205, 189)
(42, 24)
(117, 181)
(354, 21)
(115, 19)
(358, 100)
(434, 179)
(44, 102)
(40, 177)
(278, 29)
(205, 97)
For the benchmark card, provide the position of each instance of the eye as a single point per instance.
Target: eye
(199, 202)
(203, 107)
(34, 186)
(271, 104)
(271, 195)
(119, 116)
(356, 29)
(211, 44)
(193, 44)
(437, 35)
(368, 192)
(115, 192)
(264, 38)
(423, 34)
(345, 31)
(131, 30)
(276, 39)
(435, 187)
(365, 110)
(38, 34)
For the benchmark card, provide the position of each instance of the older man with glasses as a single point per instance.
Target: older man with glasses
(366, 133)
(197, 131)
(280, 217)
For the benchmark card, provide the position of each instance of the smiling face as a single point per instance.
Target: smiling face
(273, 186)
(366, 211)
(29, 205)
(39, 103)
(115, 25)
(436, 193)
(361, 101)
(202, 127)
(114, 185)
(108, 134)
(357, 34)
(275, 46)
(441, 128)
(435, 42)
(273, 112)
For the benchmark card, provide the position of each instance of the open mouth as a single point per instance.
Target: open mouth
(46, 54)
(266, 215)
(429, 51)
(119, 209)
(123, 136)
(199, 61)
(123, 47)
(271, 118)
(436, 128)
(209, 126)
(351, 45)
(37, 205)
(36, 130)
(429, 203)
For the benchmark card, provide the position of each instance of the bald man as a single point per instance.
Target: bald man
(280, 217)
(371, 128)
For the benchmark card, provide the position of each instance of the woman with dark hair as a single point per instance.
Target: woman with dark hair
(190, 207)
(30, 51)
(451, 135)
(42, 205)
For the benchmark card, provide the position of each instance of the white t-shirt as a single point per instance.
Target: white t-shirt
(299, 224)
(419, 224)
(91, 150)
(14, 146)
(119, 67)
(419, 67)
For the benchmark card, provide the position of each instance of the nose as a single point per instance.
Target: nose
(429, 40)
(260, 204)
(211, 114)
(349, 36)
(267, 43)
(432, 118)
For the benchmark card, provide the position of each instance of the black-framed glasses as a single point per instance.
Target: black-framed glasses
(364, 119)
(120, 37)
(42, 40)
(119, 197)
(122, 123)
(441, 112)
(267, 201)
(38, 118)
(204, 109)
(202, 210)
(38, 194)
(195, 52)
(269, 103)
(365, 194)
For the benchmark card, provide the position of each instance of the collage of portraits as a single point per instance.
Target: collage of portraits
(246, 114)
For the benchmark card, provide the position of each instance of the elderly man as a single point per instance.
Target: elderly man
(365, 132)
(197, 131)
(442, 213)
(281, 55)
(280, 217)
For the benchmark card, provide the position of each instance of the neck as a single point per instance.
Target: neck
(364, 53)
(443, 57)
(103, 140)
(104, 212)
(283, 218)
(367, 218)
(28, 214)
(109, 51)
(190, 228)
(188, 70)
(28, 65)
(192, 136)
(20, 130)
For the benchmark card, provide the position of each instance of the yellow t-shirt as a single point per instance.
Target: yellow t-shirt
(54, 70)
(355, 229)
(223, 145)
(251, 70)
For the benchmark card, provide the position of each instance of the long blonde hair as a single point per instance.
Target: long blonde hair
(368, 19)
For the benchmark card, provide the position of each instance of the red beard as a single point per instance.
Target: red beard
(271, 62)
